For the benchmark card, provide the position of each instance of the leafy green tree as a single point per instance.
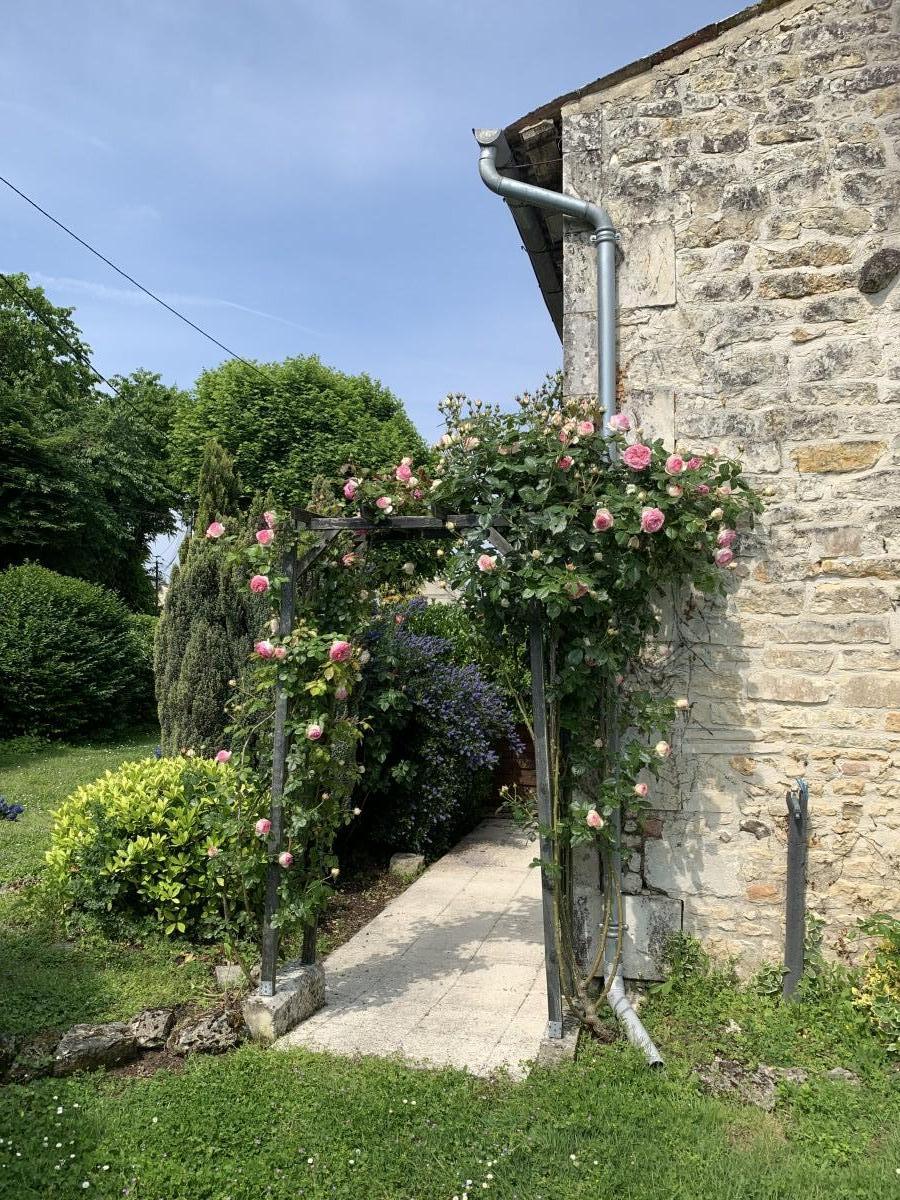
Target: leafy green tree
(209, 620)
(85, 483)
(286, 423)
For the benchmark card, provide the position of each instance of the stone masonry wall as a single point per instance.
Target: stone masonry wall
(750, 179)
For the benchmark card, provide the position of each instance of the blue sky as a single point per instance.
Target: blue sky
(298, 177)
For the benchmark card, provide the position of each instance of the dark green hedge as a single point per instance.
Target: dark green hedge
(73, 659)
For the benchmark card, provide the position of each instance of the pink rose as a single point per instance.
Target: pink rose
(383, 502)
(585, 428)
(723, 557)
(285, 859)
(693, 463)
(674, 464)
(641, 789)
(637, 456)
(341, 693)
(726, 537)
(580, 589)
(340, 651)
(418, 494)
(652, 520)
(619, 423)
(487, 562)
(702, 489)
(565, 435)
(594, 819)
(259, 584)
(264, 536)
(724, 490)
(565, 462)
(270, 518)
(264, 649)
(314, 732)
(280, 652)
(215, 529)
(663, 749)
(223, 756)
(262, 827)
(403, 473)
(348, 559)
(603, 520)
(351, 487)
(675, 491)
(471, 443)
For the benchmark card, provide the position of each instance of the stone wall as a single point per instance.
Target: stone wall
(751, 179)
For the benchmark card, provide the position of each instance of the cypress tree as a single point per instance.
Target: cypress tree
(209, 621)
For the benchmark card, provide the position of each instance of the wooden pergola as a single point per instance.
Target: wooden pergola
(294, 567)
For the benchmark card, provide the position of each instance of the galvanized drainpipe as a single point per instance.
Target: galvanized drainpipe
(604, 238)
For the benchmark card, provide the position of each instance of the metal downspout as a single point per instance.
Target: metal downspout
(516, 191)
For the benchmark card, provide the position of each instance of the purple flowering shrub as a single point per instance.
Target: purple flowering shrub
(435, 727)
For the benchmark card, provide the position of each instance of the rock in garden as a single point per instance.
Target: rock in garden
(725, 1076)
(842, 1075)
(406, 865)
(229, 976)
(151, 1027)
(212, 1034)
(87, 1047)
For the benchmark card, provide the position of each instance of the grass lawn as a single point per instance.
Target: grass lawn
(260, 1123)
(40, 775)
(279, 1125)
(46, 980)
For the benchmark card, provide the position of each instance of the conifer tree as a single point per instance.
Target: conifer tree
(209, 621)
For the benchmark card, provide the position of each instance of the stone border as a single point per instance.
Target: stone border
(299, 993)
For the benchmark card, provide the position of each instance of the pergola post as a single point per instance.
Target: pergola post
(269, 963)
(545, 819)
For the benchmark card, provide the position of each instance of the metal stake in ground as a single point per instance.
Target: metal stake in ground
(279, 765)
(795, 898)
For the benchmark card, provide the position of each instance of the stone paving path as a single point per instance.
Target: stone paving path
(450, 972)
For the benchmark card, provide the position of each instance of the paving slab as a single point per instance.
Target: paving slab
(451, 972)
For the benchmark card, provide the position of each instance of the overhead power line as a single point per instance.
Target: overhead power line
(147, 292)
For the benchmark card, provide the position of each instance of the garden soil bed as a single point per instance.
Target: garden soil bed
(360, 897)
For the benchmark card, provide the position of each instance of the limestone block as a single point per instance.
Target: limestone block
(794, 285)
(646, 277)
(87, 1047)
(834, 457)
(300, 992)
(870, 691)
(151, 1027)
(649, 923)
(213, 1033)
(406, 866)
(849, 598)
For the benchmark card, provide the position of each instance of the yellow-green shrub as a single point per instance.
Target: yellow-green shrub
(878, 992)
(171, 839)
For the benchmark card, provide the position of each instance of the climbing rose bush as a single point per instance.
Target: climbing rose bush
(603, 525)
